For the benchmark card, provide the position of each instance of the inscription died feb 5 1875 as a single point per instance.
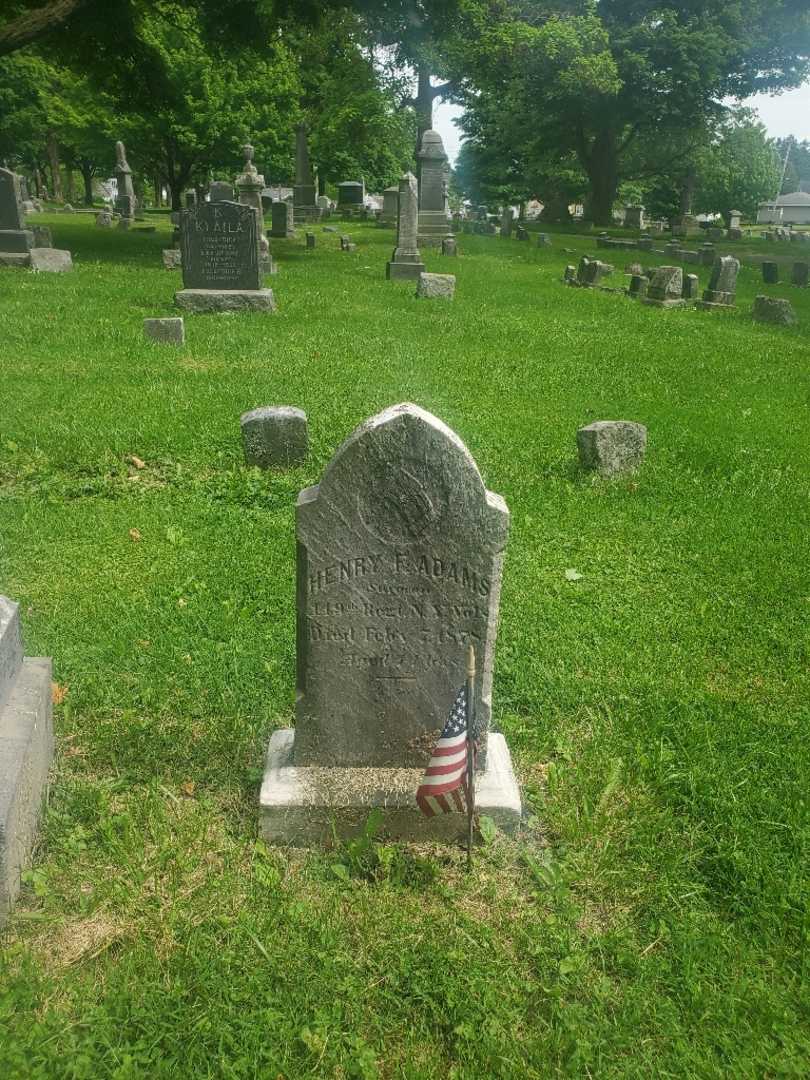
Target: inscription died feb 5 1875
(400, 550)
(220, 246)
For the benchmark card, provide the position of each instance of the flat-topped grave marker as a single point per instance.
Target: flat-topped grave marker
(220, 259)
(220, 247)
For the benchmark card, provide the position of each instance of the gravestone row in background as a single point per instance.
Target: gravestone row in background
(20, 246)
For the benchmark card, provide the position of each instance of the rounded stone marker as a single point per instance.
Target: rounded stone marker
(611, 447)
(771, 309)
(436, 286)
(275, 436)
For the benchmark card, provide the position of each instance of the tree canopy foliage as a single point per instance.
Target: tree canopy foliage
(567, 100)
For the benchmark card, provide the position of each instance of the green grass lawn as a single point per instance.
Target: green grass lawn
(652, 920)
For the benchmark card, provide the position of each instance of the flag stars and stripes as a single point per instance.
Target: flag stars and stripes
(444, 786)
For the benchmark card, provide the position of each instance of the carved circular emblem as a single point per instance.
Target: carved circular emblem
(404, 504)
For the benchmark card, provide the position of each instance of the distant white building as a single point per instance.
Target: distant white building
(793, 209)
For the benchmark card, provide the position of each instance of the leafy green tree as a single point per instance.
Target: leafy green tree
(358, 120)
(797, 174)
(50, 114)
(419, 36)
(616, 83)
(739, 170)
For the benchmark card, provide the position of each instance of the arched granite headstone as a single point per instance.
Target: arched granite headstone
(400, 549)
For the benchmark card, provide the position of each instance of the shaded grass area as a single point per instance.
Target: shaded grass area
(653, 918)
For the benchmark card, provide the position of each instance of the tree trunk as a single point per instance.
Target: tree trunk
(177, 175)
(53, 162)
(34, 24)
(87, 177)
(158, 185)
(69, 184)
(688, 192)
(602, 166)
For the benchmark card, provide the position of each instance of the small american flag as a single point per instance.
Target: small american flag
(444, 786)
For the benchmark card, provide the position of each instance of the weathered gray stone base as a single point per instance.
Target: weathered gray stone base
(15, 258)
(26, 751)
(219, 300)
(395, 271)
(301, 805)
(662, 303)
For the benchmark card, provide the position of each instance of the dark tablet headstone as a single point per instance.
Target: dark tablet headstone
(220, 246)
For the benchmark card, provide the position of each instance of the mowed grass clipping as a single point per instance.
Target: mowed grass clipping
(652, 920)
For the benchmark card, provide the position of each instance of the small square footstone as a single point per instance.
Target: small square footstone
(42, 236)
(770, 309)
(665, 288)
(50, 260)
(172, 259)
(449, 246)
(543, 240)
(310, 241)
(611, 447)
(275, 436)
(169, 331)
(400, 554)
(26, 751)
(436, 286)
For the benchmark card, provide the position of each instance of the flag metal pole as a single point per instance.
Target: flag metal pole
(470, 702)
